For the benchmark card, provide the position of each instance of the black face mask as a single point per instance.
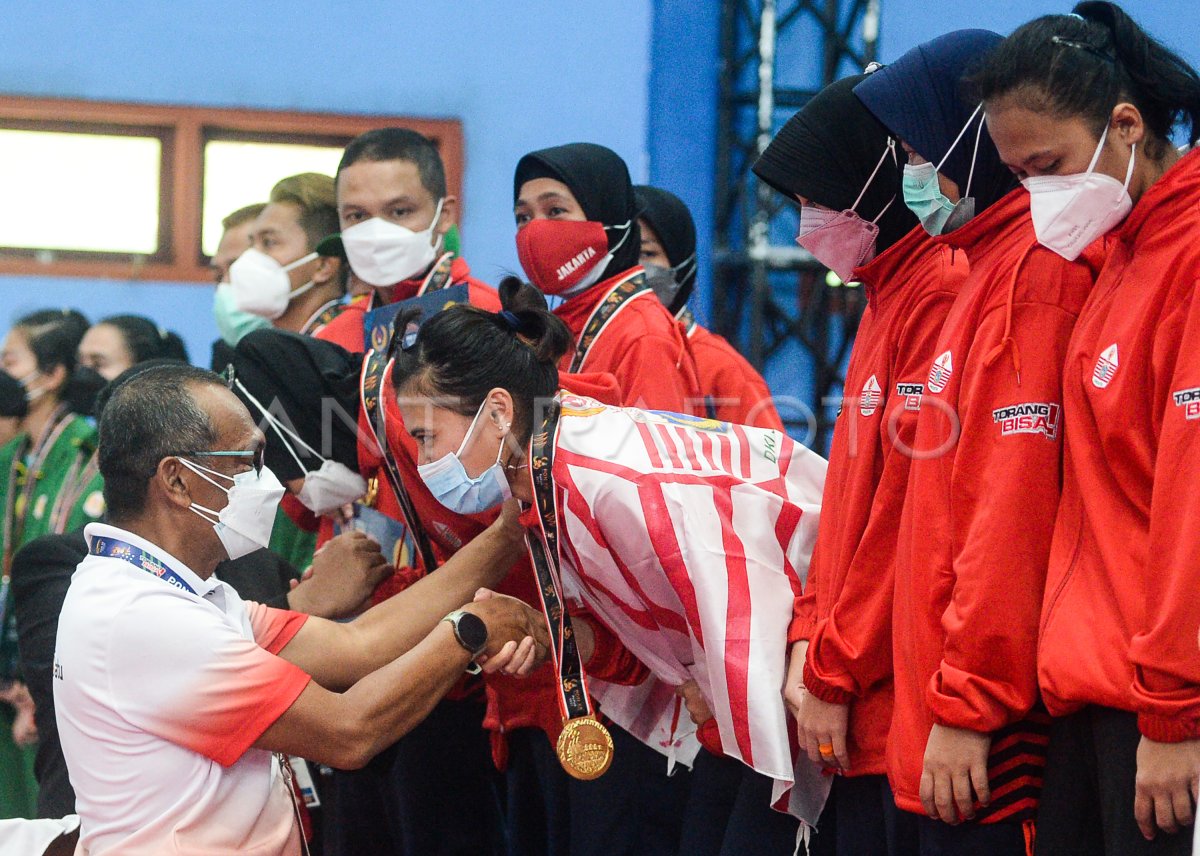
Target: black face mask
(83, 387)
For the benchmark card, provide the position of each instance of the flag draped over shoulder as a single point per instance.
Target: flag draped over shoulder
(690, 538)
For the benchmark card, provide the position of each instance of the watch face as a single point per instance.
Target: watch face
(472, 631)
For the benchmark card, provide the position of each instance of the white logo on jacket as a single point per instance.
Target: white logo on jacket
(1034, 417)
(911, 393)
(1106, 367)
(939, 374)
(871, 396)
(1189, 400)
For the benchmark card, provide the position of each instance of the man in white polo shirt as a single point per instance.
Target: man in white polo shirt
(172, 694)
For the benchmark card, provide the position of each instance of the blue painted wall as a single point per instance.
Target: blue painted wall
(520, 76)
(639, 76)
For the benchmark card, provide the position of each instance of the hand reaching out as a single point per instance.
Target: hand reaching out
(344, 573)
(518, 640)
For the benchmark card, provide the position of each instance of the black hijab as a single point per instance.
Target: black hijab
(922, 100)
(304, 377)
(599, 180)
(671, 220)
(827, 152)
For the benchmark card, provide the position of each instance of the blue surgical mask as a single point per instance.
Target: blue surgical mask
(233, 323)
(450, 485)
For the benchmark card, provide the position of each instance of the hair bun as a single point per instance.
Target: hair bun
(524, 312)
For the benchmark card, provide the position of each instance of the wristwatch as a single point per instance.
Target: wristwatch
(471, 633)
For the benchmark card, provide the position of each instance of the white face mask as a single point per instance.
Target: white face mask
(326, 488)
(245, 523)
(261, 285)
(1071, 211)
(383, 254)
(31, 395)
(330, 487)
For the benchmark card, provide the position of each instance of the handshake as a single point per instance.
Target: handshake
(518, 640)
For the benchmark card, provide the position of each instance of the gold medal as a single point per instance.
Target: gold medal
(585, 748)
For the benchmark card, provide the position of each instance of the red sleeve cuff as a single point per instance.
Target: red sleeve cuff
(802, 628)
(826, 692)
(1168, 729)
(611, 661)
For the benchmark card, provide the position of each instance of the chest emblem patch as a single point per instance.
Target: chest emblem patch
(1106, 367)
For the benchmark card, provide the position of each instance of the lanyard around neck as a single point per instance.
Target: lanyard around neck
(114, 548)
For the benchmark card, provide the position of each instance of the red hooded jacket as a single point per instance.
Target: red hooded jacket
(643, 346)
(982, 492)
(737, 391)
(846, 609)
(1121, 615)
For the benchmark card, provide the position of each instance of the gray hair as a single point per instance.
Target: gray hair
(152, 415)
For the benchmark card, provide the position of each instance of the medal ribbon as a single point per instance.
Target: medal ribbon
(376, 367)
(323, 316)
(613, 302)
(439, 277)
(544, 549)
(114, 548)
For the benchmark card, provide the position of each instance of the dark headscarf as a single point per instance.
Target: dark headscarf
(671, 220)
(826, 153)
(922, 100)
(13, 401)
(300, 374)
(599, 180)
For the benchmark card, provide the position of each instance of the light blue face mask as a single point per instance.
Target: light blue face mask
(450, 485)
(923, 195)
(233, 323)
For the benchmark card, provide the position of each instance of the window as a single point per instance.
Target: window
(138, 191)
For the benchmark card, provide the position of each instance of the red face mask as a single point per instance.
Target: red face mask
(558, 254)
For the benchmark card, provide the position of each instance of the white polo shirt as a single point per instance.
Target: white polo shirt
(159, 694)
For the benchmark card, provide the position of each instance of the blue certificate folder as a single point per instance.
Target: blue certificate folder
(377, 324)
(392, 536)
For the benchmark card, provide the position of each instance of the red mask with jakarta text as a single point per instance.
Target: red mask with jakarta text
(558, 255)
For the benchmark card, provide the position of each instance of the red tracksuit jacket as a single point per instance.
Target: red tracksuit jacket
(1122, 608)
(982, 493)
(643, 346)
(846, 609)
(347, 329)
(738, 392)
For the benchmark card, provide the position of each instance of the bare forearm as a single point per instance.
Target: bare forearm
(391, 701)
(346, 730)
(396, 625)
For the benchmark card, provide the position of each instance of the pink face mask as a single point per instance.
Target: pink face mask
(842, 240)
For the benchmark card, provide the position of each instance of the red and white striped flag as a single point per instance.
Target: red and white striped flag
(689, 538)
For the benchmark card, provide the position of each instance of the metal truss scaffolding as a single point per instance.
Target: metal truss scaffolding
(794, 320)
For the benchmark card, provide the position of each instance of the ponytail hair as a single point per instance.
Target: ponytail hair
(54, 336)
(145, 340)
(1085, 63)
(462, 353)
